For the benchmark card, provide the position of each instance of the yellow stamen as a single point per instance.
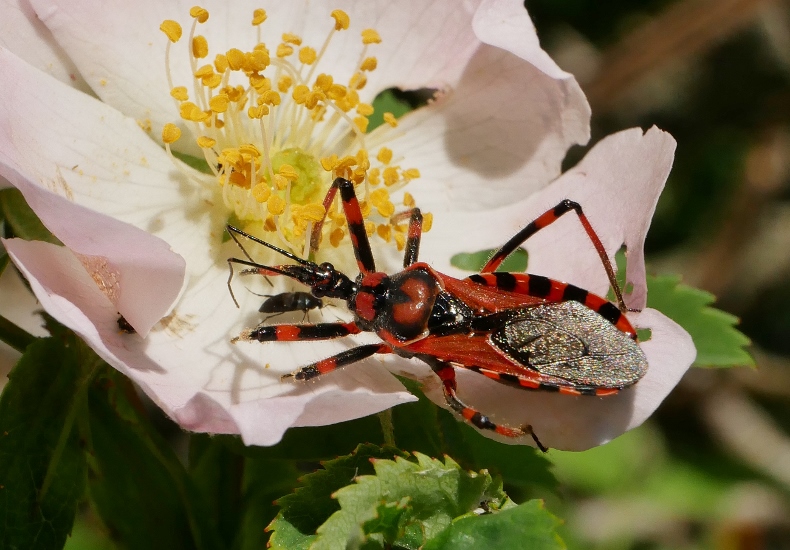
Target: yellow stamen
(258, 16)
(261, 193)
(307, 55)
(369, 64)
(170, 133)
(179, 93)
(275, 205)
(284, 83)
(200, 47)
(427, 222)
(284, 50)
(199, 13)
(411, 174)
(361, 123)
(219, 103)
(235, 59)
(370, 36)
(220, 63)
(385, 155)
(408, 200)
(206, 142)
(290, 38)
(390, 119)
(171, 29)
(341, 20)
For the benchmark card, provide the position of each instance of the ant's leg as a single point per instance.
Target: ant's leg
(546, 219)
(414, 235)
(356, 224)
(354, 355)
(446, 374)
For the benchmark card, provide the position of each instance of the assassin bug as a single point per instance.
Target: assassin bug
(290, 301)
(520, 329)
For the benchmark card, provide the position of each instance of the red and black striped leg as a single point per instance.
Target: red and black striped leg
(546, 219)
(446, 374)
(356, 224)
(354, 355)
(412, 251)
(297, 333)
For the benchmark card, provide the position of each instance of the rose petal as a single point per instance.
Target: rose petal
(25, 35)
(617, 184)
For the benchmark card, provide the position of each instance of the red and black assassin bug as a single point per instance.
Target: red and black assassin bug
(526, 330)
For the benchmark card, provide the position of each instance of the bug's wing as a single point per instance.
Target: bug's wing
(569, 341)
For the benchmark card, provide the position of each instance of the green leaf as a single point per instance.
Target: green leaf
(528, 525)
(23, 221)
(389, 521)
(310, 505)
(42, 465)
(474, 261)
(425, 427)
(436, 492)
(137, 484)
(718, 342)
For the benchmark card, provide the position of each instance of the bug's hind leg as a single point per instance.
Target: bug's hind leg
(335, 362)
(446, 374)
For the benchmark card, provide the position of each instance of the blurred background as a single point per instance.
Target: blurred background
(712, 467)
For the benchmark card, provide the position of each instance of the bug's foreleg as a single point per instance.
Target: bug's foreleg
(412, 249)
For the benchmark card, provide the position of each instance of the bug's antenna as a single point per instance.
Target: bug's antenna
(231, 230)
(256, 268)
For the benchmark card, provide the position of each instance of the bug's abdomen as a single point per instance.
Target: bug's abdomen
(569, 341)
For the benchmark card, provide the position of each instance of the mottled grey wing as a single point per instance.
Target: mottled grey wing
(570, 341)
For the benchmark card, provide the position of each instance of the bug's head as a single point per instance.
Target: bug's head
(323, 279)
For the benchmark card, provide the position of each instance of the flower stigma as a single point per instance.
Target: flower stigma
(275, 133)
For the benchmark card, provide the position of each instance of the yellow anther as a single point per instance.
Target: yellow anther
(204, 71)
(258, 16)
(261, 192)
(239, 180)
(212, 81)
(384, 231)
(171, 29)
(317, 114)
(370, 228)
(400, 241)
(258, 111)
(336, 92)
(271, 97)
(199, 46)
(357, 81)
(284, 83)
(275, 205)
(369, 64)
(411, 174)
(280, 182)
(206, 142)
(352, 98)
(261, 84)
(313, 98)
(249, 149)
(427, 222)
(307, 55)
(221, 63)
(300, 93)
(257, 60)
(219, 123)
(329, 163)
(390, 119)
(341, 20)
(170, 133)
(291, 38)
(289, 172)
(312, 212)
(408, 200)
(235, 59)
(384, 155)
(284, 50)
(323, 82)
(235, 93)
(361, 123)
(390, 175)
(374, 176)
(199, 13)
(179, 93)
(230, 156)
(370, 36)
(379, 197)
(219, 103)
(336, 237)
(346, 162)
(190, 111)
(365, 109)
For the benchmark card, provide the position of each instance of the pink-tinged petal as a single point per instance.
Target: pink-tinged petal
(576, 423)
(187, 364)
(88, 152)
(617, 184)
(25, 35)
(137, 271)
